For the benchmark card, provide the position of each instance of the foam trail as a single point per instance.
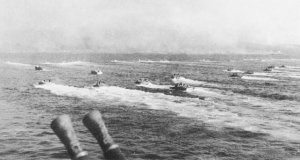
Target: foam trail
(208, 61)
(192, 82)
(203, 92)
(285, 60)
(251, 59)
(276, 71)
(234, 71)
(276, 74)
(18, 64)
(118, 61)
(150, 61)
(214, 113)
(188, 81)
(295, 76)
(154, 86)
(287, 69)
(280, 72)
(72, 63)
(259, 78)
(262, 74)
(197, 91)
(168, 62)
(293, 67)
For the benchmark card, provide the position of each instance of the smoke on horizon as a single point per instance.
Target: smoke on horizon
(168, 26)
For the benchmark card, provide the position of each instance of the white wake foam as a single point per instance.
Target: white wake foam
(287, 69)
(287, 72)
(210, 112)
(262, 74)
(19, 64)
(251, 59)
(295, 76)
(208, 61)
(118, 61)
(258, 78)
(71, 63)
(188, 81)
(151, 61)
(284, 60)
(154, 86)
(234, 71)
(199, 91)
(193, 82)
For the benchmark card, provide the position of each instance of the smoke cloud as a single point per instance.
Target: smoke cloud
(144, 26)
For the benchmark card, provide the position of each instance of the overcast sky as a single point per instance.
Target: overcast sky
(164, 26)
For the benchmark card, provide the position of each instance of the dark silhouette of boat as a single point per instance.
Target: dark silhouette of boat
(235, 75)
(95, 72)
(38, 68)
(180, 86)
(175, 76)
(142, 80)
(249, 72)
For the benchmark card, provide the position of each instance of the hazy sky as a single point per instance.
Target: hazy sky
(164, 26)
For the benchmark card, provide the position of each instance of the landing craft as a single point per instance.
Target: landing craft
(175, 76)
(95, 72)
(229, 69)
(249, 72)
(98, 84)
(44, 82)
(235, 75)
(38, 68)
(282, 66)
(142, 81)
(180, 86)
(268, 69)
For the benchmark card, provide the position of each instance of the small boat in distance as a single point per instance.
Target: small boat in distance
(180, 86)
(269, 68)
(44, 82)
(249, 72)
(98, 84)
(235, 75)
(142, 80)
(282, 66)
(96, 72)
(176, 76)
(38, 68)
(229, 69)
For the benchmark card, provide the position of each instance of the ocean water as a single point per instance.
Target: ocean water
(256, 116)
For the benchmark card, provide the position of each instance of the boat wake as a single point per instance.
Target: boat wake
(258, 78)
(282, 60)
(208, 61)
(72, 63)
(118, 61)
(285, 72)
(199, 91)
(27, 66)
(150, 61)
(234, 71)
(154, 86)
(19, 64)
(196, 91)
(193, 82)
(188, 81)
(248, 117)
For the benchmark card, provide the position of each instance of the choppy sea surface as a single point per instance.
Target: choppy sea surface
(256, 116)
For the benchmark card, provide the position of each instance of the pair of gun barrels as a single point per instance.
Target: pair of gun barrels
(63, 128)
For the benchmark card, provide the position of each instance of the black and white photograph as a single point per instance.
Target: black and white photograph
(150, 79)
